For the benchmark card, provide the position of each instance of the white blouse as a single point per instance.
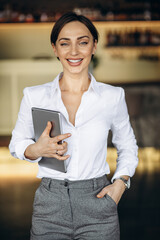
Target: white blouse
(102, 108)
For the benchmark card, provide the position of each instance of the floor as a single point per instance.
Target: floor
(139, 208)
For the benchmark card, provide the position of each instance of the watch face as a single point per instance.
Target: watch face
(126, 182)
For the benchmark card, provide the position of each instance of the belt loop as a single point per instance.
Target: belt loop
(94, 184)
(49, 183)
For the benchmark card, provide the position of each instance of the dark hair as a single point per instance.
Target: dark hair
(70, 17)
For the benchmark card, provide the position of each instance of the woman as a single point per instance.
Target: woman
(81, 203)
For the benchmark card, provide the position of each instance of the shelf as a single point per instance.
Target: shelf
(134, 52)
(132, 47)
(110, 24)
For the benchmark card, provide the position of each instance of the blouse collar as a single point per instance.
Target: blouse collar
(93, 85)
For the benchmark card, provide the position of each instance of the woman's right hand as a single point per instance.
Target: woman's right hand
(47, 146)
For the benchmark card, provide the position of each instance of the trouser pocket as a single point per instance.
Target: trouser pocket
(46, 209)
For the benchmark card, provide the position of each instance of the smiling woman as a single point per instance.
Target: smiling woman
(81, 203)
(74, 46)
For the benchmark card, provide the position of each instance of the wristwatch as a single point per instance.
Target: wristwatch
(126, 182)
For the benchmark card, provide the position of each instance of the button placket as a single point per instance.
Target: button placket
(75, 151)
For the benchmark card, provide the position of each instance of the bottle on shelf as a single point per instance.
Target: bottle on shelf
(132, 38)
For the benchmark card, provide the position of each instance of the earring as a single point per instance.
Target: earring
(58, 58)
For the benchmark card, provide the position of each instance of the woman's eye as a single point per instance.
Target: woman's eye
(64, 44)
(83, 43)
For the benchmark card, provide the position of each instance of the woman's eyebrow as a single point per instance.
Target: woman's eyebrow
(83, 37)
(77, 38)
(64, 39)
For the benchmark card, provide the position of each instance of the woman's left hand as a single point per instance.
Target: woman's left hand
(114, 190)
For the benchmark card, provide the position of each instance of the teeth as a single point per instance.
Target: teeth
(74, 61)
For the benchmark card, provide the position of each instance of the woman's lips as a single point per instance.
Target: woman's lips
(75, 62)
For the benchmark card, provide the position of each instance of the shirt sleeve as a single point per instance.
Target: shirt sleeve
(124, 140)
(23, 133)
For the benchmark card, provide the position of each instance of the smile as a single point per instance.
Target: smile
(74, 60)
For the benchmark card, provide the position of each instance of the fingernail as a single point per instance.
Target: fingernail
(69, 134)
(99, 196)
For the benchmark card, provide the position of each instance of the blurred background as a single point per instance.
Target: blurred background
(128, 55)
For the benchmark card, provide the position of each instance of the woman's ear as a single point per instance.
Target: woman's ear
(94, 47)
(54, 49)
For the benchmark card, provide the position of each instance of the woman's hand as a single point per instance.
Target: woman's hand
(47, 146)
(114, 190)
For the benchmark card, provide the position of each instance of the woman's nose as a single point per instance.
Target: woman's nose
(74, 50)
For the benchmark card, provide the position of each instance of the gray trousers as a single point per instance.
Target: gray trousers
(67, 210)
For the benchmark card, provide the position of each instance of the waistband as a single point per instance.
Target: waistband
(81, 184)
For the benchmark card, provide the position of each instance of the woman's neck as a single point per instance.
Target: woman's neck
(74, 82)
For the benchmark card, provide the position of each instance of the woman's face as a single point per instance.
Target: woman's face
(75, 47)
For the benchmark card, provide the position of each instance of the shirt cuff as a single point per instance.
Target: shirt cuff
(20, 149)
(122, 172)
